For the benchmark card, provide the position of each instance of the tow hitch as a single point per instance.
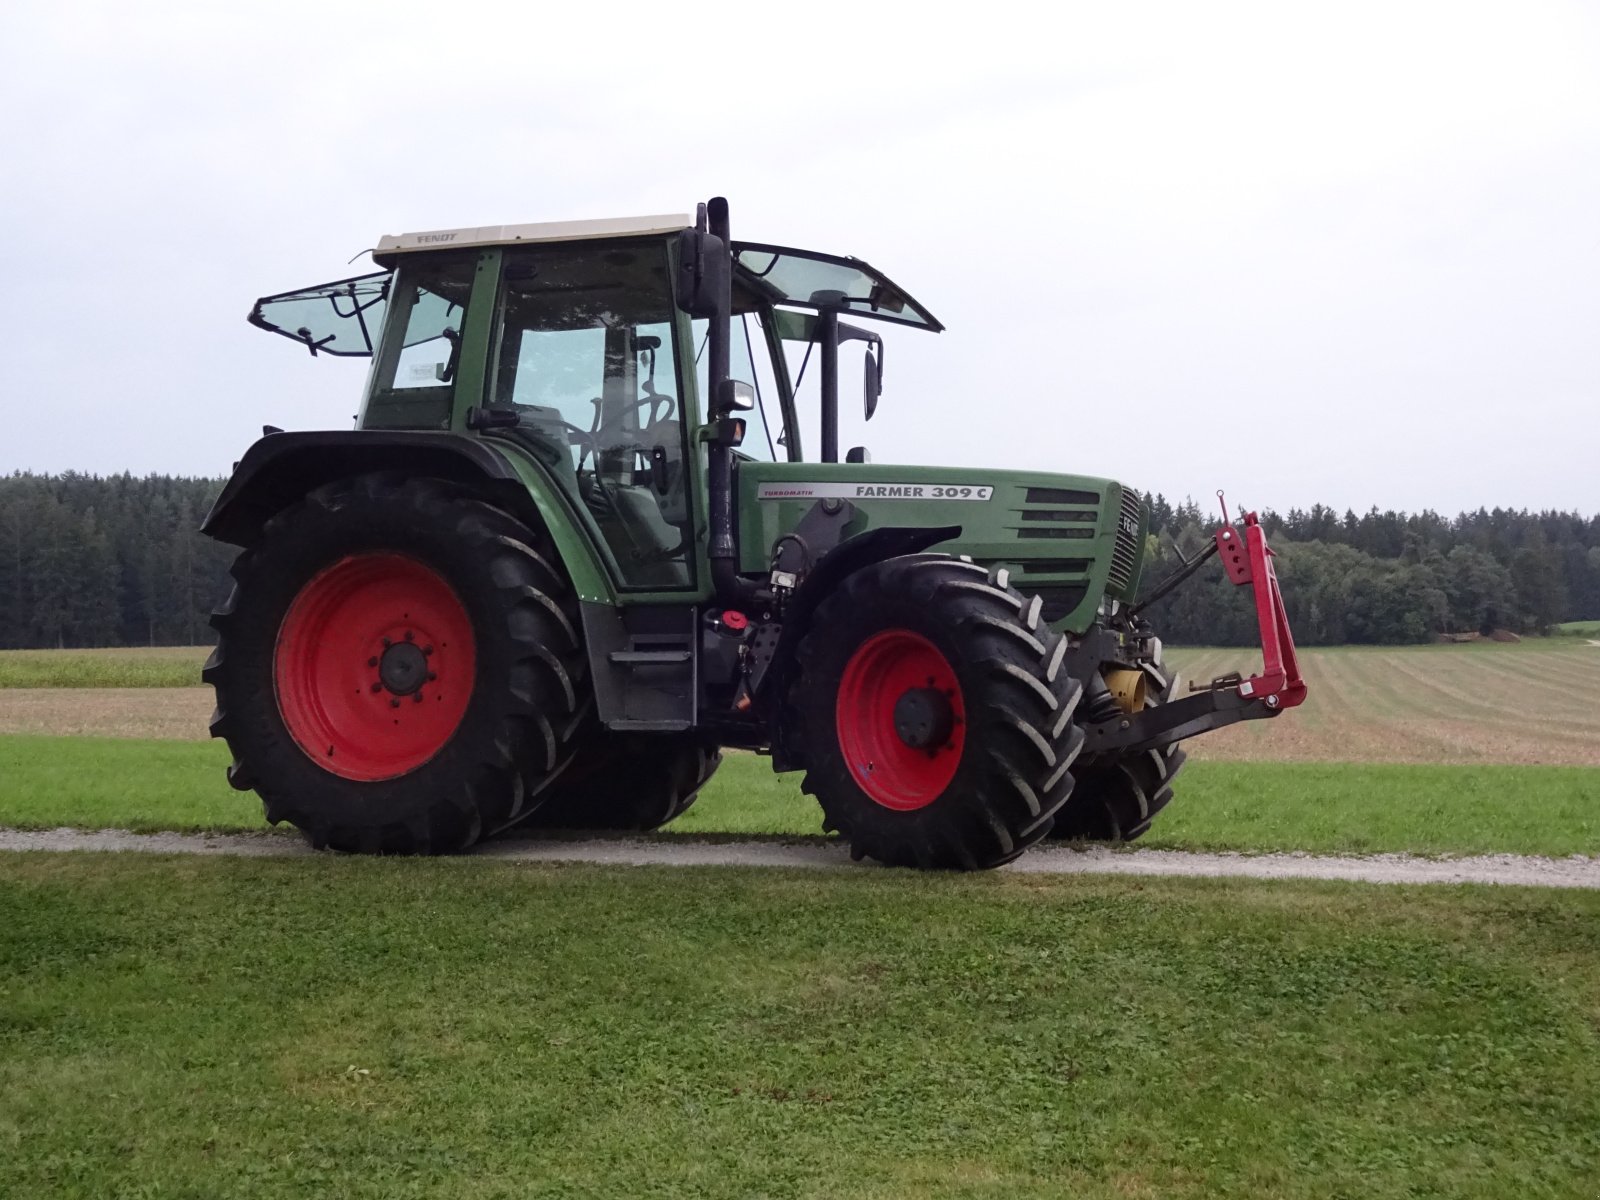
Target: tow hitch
(1247, 559)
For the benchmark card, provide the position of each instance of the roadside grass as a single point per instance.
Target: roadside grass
(123, 667)
(406, 1028)
(1325, 808)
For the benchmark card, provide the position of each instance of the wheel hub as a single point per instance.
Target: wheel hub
(923, 718)
(901, 719)
(375, 666)
(403, 668)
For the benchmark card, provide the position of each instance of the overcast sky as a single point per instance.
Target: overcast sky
(1338, 252)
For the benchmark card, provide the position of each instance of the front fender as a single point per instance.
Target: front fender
(849, 556)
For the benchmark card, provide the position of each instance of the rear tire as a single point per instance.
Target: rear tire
(1117, 798)
(398, 668)
(933, 714)
(623, 781)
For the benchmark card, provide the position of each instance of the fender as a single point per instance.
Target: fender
(849, 556)
(280, 468)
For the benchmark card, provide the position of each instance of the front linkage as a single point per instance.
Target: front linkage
(1247, 560)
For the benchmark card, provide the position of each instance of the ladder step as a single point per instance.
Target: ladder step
(637, 657)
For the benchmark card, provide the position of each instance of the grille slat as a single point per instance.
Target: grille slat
(1125, 553)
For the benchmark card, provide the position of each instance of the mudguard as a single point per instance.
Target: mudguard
(282, 467)
(845, 559)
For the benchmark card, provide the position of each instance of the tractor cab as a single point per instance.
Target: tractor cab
(582, 343)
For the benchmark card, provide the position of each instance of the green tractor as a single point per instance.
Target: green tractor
(573, 549)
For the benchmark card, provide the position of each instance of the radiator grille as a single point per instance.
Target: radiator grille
(1125, 554)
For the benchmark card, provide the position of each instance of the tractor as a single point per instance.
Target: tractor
(573, 549)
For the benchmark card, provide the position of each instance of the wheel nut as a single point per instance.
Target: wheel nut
(408, 635)
(376, 688)
(373, 661)
(416, 697)
(394, 703)
(432, 677)
(426, 650)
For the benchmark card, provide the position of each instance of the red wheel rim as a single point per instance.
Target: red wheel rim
(883, 669)
(374, 666)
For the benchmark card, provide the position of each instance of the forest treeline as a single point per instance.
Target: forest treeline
(86, 561)
(1386, 577)
(119, 561)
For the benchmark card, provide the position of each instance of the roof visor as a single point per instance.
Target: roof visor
(806, 279)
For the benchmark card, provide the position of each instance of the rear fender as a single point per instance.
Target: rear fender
(282, 467)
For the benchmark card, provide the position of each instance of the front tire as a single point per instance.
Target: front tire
(932, 713)
(1117, 798)
(398, 668)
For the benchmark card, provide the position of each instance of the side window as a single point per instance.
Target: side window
(414, 379)
(588, 361)
(749, 361)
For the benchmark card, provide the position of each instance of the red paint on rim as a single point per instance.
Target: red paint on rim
(884, 668)
(331, 696)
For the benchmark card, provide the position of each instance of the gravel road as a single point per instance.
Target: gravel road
(677, 851)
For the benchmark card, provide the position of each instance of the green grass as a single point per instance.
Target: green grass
(1332, 808)
(1579, 629)
(158, 666)
(392, 1028)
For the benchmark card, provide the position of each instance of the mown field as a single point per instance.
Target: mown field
(395, 1028)
(1527, 702)
(1534, 702)
(1437, 750)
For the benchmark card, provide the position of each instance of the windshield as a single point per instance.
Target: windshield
(811, 280)
(340, 318)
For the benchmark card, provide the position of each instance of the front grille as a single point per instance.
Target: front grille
(1125, 554)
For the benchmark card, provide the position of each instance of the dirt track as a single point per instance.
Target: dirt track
(1511, 869)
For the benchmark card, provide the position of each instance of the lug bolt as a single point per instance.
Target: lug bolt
(416, 697)
(408, 635)
(394, 703)
(373, 661)
(427, 651)
(387, 643)
(432, 677)
(376, 688)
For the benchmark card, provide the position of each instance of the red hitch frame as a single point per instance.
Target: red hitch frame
(1248, 560)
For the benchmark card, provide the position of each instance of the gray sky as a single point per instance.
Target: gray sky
(1340, 252)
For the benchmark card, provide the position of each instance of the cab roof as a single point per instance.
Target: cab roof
(391, 244)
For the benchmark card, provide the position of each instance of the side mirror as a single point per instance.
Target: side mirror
(871, 382)
(734, 395)
(703, 271)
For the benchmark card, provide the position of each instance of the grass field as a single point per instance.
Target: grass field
(1532, 702)
(149, 785)
(1579, 629)
(382, 1028)
(127, 667)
